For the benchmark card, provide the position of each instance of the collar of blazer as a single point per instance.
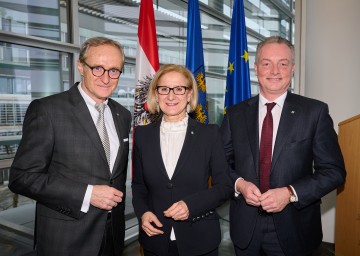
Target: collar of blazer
(190, 139)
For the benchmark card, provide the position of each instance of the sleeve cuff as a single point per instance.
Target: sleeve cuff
(237, 193)
(294, 192)
(86, 203)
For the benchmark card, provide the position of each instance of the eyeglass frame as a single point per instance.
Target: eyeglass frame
(92, 70)
(172, 89)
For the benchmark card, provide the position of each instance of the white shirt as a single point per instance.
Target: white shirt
(172, 136)
(276, 113)
(113, 139)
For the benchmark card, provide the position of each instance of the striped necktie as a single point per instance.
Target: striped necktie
(100, 126)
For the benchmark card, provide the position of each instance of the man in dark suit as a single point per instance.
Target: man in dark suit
(75, 173)
(277, 212)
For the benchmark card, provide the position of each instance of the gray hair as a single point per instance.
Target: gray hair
(275, 40)
(97, 41)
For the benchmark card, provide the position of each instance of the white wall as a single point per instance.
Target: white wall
(328, 41)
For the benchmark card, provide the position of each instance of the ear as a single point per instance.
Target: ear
(191, 92)
(255, 68)
(80, 68)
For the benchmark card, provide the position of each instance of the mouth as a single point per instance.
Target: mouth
(104, 86)
(171, 104)
(274, 79)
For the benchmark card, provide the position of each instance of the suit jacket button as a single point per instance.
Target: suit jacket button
(170, 185)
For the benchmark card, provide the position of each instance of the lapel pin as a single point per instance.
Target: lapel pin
(192, 132)
(292, 111)
(117, 114)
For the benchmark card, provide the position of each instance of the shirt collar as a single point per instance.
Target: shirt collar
(279, 101)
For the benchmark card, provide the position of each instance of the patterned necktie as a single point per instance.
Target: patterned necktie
(100, 126)
(266, 148)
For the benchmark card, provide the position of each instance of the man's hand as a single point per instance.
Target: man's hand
(250, 192)
(105, 197)
(178, 211)
(275, 200)
(146, 225)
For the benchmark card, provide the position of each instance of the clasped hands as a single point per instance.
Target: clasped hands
(105, 197)
(272, 201)
(178, 211)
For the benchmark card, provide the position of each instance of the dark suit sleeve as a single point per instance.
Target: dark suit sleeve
(222, 188)
(329, 168)
(29, 174)
(228, 147)
(139, 188)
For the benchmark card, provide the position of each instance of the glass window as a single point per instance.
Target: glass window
(27, 71)
(45, 19)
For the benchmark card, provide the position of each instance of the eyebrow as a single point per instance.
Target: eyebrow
(265, 59)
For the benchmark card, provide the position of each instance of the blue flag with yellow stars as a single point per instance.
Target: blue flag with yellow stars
(238, 75)
(195, 59)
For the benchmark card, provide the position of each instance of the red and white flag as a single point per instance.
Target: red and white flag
(147, 62)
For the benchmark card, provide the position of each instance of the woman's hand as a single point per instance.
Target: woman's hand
(149, 229)
(178, 211)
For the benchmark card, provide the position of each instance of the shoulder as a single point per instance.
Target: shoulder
(243, 106)
(116, 105)
(208, 131)
(305, 103)
(146, 131)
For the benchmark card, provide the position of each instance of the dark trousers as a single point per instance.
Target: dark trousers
(264, 240)
(173, 251)
(107, 244)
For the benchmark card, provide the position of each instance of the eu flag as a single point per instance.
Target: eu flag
(195, 58)
(238, 75)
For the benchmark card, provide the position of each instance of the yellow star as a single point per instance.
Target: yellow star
(231, 67)
(225, 110)
(245, 56)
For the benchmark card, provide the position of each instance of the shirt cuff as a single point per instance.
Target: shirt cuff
(86, 203)
(237, 193)
(294, 192)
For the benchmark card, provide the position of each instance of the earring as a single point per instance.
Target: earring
(188, 108)
(158, 108)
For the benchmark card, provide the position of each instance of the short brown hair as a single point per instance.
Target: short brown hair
(167, 68)
(97, 41)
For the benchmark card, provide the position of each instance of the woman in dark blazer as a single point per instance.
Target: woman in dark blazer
(173, 160)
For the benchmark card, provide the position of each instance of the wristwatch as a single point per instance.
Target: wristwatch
(292, 198)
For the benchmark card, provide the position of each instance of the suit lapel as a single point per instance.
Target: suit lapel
(155, 135)
(121, 132)
(252, 125)
(287, 123)
(189, 142)
(82, 113)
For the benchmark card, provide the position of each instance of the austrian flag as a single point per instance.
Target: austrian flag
(147, 62)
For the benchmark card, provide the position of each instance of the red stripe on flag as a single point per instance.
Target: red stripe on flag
(147, 32)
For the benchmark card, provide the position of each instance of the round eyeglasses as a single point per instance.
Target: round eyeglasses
(177, 90)
(98, 71)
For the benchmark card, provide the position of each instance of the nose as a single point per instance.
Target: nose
(171, 95)
(274, 69)
(105, 78)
